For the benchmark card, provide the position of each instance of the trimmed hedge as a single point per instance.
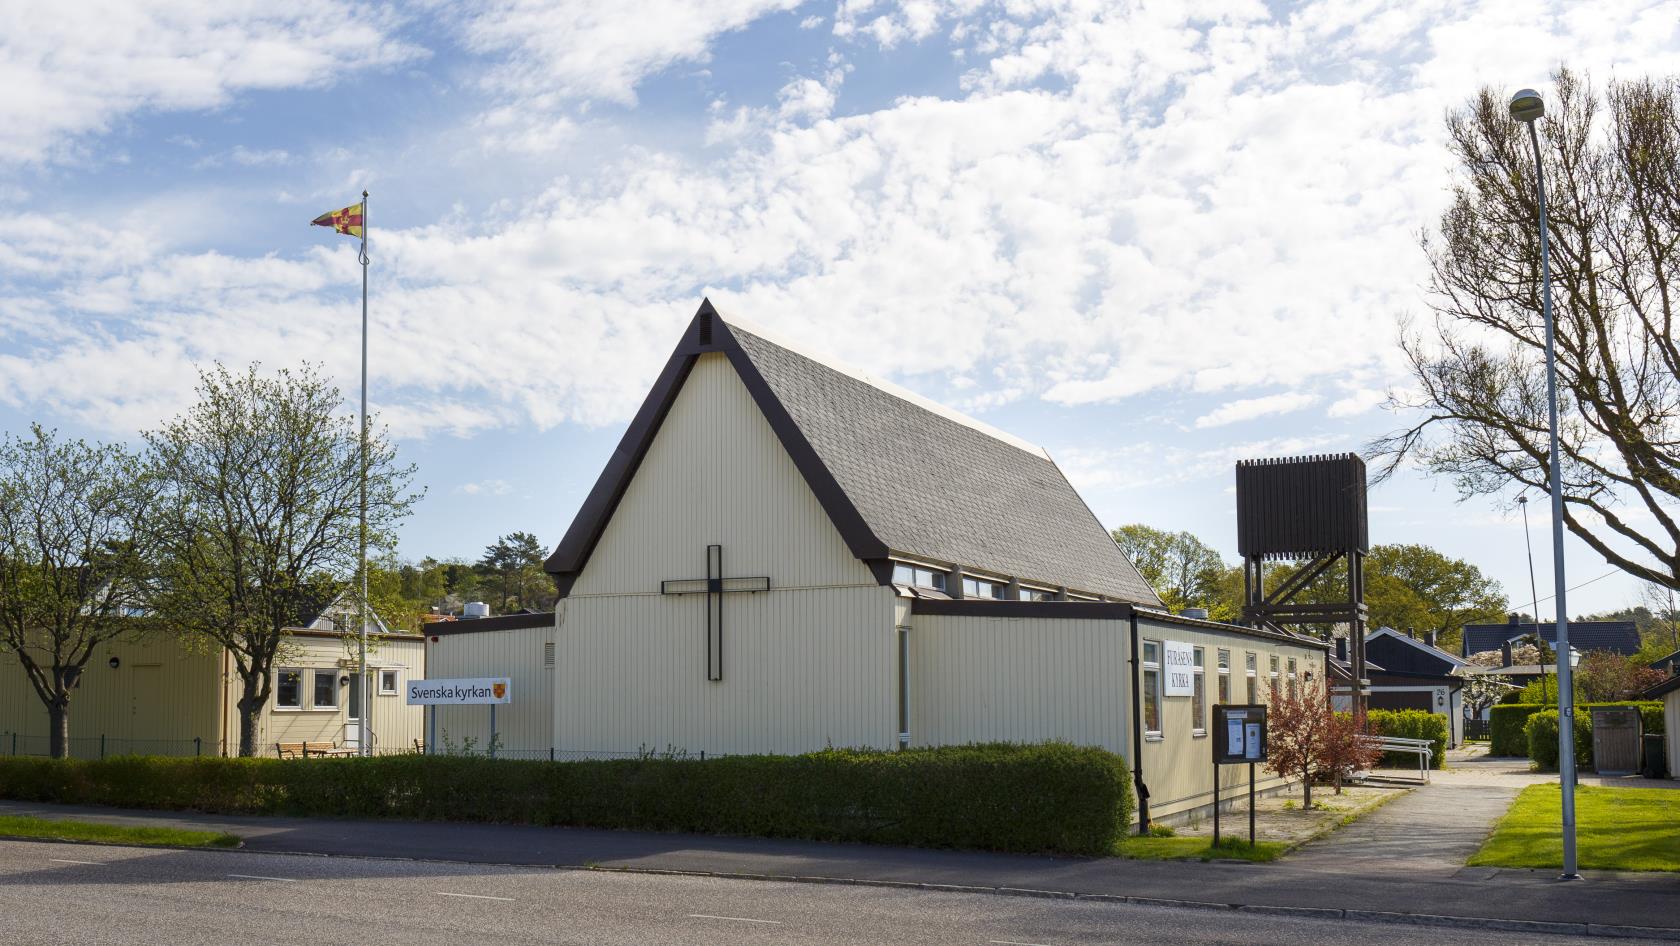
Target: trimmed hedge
(1050, 797)
(1508, 735)
(1412, 724)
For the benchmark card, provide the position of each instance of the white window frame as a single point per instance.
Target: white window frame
(1251, 666)
(905, 573)
(976, 587)
(1198, 693)
(1037, 594)
(288, 707)
(392, 689)
(1152, 670)
(315, 675)
(1224, 690)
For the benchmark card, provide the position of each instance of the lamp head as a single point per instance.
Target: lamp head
(1522, 500)
(1526, 106)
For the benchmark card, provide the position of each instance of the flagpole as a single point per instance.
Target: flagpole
(363, 744)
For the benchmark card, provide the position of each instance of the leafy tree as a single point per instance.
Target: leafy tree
(1307, 740)
(259, 515)
(1410, 586)
(1482, 690)
(74, 541)
(513, 566)
(1185, 571)
(1612, 169)
(1605, 676)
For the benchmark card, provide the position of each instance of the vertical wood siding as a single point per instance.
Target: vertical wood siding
(809, 664)
(525, 726)
(1179, 767)
(716, 474)
(980, 679)
(802, 670)
(156, 701)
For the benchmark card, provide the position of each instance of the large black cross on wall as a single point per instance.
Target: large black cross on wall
(714, 586)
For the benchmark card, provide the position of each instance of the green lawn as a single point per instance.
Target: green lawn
(1191, 848)
(18, 826)
(1616, 829)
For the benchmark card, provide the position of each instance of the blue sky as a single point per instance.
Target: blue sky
(1153, 237)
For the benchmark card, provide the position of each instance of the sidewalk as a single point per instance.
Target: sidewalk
(1405, 858)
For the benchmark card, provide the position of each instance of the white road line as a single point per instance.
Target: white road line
(1011, 942)
(284, 880)
(471, 896)
(66, 860)
(737, 919)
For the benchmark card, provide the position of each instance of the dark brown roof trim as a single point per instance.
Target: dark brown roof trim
(706, 332)
(501, 622)
(372, 635)
(995, 608)
(1100, 610)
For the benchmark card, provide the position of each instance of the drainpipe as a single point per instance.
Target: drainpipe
(1137, 734)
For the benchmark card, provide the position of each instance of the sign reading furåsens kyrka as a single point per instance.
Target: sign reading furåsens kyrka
(464, 692)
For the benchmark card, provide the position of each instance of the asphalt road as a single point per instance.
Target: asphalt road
(54, 893)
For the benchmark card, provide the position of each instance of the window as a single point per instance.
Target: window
(904, 687)
(1152, 688)
(1037, 594)
(1292, 674)
(981, 588)
(1198, 698)
(288, 689)
(1251, 661)
(1225, 676)
(388, 683)
(917, 575)
(355, 708)
(326, 689)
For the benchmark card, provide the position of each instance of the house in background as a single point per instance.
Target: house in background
(153, 694)
(1413, 673)
(1618, 637)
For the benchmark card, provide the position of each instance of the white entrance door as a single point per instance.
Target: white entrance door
(352, 714)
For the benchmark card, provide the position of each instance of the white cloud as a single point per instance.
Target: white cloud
(1201, 198)
(485, 488)
(1358, 402)
(75, 69)
(1233, 412)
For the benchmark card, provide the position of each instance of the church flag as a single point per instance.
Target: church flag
(347, 221)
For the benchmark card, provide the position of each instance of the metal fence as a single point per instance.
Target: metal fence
(105, 747)
(1477, 729)
(102, 747)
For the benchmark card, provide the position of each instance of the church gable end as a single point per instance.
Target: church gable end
(716, 496)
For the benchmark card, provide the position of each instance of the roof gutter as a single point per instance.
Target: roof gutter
(1137, 735)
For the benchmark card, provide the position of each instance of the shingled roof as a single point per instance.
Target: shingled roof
(900, 476)
(1621, 637)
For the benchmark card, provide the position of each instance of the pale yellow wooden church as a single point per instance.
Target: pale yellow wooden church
(784, 555)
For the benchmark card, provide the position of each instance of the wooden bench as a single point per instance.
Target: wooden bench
(303, 750)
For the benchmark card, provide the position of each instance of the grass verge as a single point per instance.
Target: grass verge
(1615, 829)
(1197, 849)
(22, 826)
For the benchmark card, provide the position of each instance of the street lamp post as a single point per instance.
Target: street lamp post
(1527, 107)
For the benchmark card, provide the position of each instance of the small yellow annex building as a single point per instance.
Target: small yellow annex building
(153, 695)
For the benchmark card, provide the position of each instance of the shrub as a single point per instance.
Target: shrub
(1541, 729)
(1509, 734)
(1412, 724)
(1049, 797)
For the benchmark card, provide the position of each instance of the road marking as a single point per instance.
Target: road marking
(737, 919)
(472, 896)
(66, 860)
(1011, 942)
(284, 880)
